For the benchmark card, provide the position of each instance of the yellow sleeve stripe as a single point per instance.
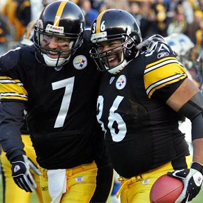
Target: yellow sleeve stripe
(161, 62)
(158, 85)
(12, 89)
(12, 96)
(161, 74)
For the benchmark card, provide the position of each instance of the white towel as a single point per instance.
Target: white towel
(56, 184)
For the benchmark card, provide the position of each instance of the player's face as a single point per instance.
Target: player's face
(53, 45)
(110, 52)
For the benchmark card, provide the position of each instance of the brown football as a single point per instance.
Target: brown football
(166, 189)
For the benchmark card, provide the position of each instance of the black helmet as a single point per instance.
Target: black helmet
(115, 24)
(62, 19)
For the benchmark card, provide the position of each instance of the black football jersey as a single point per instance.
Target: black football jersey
(141, 131)
(60, 102)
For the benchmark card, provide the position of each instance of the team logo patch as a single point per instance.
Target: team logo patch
(145, 181)
(121, 82)
(80, 62)
(80, 179)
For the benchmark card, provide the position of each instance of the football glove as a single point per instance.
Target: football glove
(192, 180)
(150, 42)
(21, 166)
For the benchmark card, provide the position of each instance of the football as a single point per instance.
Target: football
(166, 189)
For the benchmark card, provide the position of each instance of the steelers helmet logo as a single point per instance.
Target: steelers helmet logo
(80, 62)
(121, 82)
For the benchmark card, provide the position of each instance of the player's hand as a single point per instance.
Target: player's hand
(151, 42)
(192, 180)
(21, 166)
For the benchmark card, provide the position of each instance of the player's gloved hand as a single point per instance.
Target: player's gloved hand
(21, 166)
(192, 180)
(151, 42)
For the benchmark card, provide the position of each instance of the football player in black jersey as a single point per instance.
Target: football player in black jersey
(143, 91)
(57, 83)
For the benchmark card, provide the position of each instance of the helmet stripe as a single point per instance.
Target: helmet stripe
(98, 25)
(59, 13)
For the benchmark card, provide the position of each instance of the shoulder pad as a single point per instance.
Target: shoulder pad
(157, 51)
(160, 49)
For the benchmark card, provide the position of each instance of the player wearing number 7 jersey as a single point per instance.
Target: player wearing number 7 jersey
(142, 94)
(57, 83)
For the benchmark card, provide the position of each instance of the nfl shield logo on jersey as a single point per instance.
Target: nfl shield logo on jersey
(80, 62)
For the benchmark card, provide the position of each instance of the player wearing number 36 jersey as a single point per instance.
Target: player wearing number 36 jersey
(143, 91)
(57, 83)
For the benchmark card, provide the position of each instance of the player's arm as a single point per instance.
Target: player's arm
(188, 101)
(11, 115)
(166, 80)
(13, 98)
(11, 120)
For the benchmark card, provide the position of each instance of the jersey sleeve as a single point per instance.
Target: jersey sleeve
(162, 69)
(11, 113)
(11, 87)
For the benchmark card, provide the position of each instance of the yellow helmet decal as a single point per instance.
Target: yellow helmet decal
(98, 25)
(59, 13)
